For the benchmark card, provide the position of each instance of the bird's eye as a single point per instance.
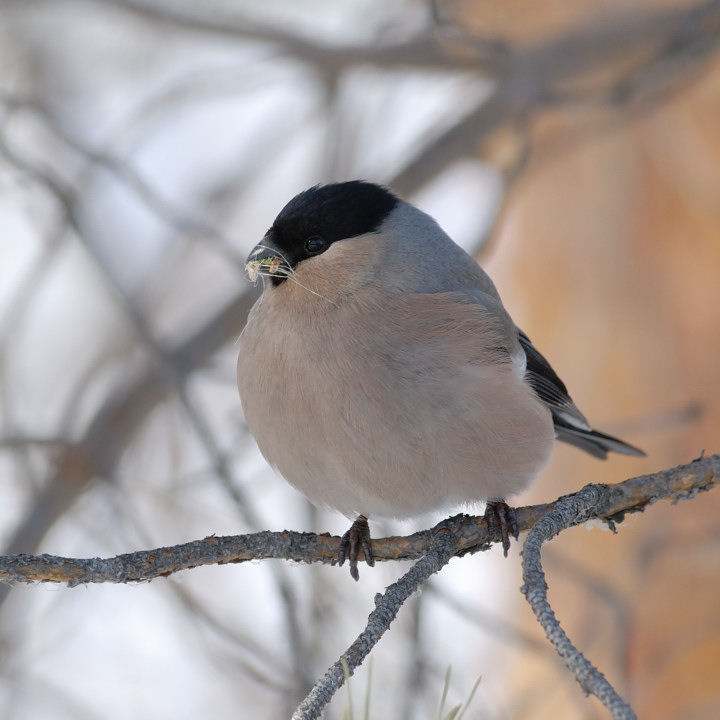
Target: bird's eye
(315, 245)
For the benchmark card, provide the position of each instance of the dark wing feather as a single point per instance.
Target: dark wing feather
(570, 424)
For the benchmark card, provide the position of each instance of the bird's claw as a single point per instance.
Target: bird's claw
(356, 538)
(502, 521)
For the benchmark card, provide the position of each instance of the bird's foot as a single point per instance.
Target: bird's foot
(356, 538)
(501, 521)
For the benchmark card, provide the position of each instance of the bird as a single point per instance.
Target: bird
(381, 375)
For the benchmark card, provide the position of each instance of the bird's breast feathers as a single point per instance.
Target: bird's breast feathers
(413, 388)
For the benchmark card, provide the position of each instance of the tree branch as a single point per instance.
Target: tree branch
(567, 512)
(471, 535)
(453, 537)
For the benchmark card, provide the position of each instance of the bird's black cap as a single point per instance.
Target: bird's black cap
(316, 218)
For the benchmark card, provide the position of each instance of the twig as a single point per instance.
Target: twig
(600, 501)
(386, 608)
(591, 501)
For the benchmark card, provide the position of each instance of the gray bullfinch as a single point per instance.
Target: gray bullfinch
(381, 375)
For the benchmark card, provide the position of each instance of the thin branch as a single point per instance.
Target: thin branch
(568, 511)
(471, 534)
(387, 605)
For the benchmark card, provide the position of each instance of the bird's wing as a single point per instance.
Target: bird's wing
(571, 425)
(453, 329)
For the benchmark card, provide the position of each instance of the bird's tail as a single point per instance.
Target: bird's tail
(592, 441)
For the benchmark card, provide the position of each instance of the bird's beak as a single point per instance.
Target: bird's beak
(266, 259)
